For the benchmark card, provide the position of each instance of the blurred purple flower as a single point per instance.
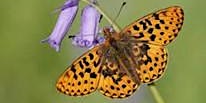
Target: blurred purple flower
(88, 34)
(65, 19)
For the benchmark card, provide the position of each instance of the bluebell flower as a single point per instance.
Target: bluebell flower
(65, 19)
(89, 29)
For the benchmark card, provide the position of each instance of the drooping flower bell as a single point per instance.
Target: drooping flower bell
(88, 35)
(89, 29)
(64, 22)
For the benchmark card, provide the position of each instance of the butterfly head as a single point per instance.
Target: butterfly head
(110, 33)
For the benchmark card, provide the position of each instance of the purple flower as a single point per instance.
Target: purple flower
(65, 19)
(88, 35)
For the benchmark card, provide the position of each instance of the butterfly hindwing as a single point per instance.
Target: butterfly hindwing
(113, 82)
(159, 28)
(152, 60)
(82, 77)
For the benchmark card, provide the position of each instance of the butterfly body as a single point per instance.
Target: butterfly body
(125, 60)
(119, 49)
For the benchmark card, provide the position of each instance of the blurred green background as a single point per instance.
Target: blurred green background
(29, 69)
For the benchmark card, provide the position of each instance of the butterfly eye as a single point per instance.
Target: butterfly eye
(111, 30)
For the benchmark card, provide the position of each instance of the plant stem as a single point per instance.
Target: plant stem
(155, 93)
(114, 25)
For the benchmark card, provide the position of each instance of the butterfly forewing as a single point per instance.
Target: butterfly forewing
(159, 28)
(82, 77)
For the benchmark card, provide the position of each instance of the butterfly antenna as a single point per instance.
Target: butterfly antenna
(101, 16)
(71, 36)
(123, 4)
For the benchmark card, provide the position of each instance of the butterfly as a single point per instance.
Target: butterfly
(126, 59)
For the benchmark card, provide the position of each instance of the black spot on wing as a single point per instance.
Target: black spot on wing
(93, 75)
(75, 76)
(157, 26)
(87, 70)
(162, 21)
(73, 69)
(152, 37)
(143, 24)
(85, 61)
(162, 33)
(148, 21)
(135, 27)
(148, 60)
(81, 65)
(150, 30)
(91, 56)
(97, 63)
(156, 16)
(81, 74)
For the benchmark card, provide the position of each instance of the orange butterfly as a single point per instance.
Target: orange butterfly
(118, 66)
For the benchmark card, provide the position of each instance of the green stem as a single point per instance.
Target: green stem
(114, 25)
(155, 93)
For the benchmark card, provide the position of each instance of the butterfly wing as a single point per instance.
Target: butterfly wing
(159, 28)
(149, 36)
(82, 77)
(152, 60)
(113, 82)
